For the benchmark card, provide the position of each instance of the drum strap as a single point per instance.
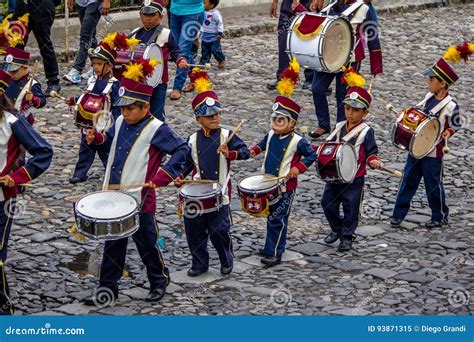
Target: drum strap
(352, 9)
(440, 106)
(23, 92)
(355, 132)
(336, 131)
(91, 84)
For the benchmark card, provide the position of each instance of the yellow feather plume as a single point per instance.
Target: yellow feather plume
(285, 87)
(471, 47)
(24, 18)
(109, 39)
(5, 23)
(295, 65)
(202, 85)
(134, 72)
(75, 234)
(153, 62)
(452, 55)
(353, 79)
(132, 42)
(15, 39)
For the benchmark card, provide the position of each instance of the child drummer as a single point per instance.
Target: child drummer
(209, 158)
(438, 102)
(355, 131)
(286, 154)
(101, 83)
(151, 14)
(16, 133)
(24, 91)
(151, 139)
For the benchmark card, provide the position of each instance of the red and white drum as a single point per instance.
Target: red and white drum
(90, 110)
(258, 192)
(337, 162)
(198, 199)
(320, 42)
(416, 132)
(141, 51)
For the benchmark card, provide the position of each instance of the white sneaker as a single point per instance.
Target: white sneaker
(73, 76)
(86, 75)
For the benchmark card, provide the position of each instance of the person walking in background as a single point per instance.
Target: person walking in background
(212, 32)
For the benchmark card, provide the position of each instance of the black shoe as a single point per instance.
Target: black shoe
(332, 237)
(315, 135)
(328, 92)
(225, 270)
(272, 85)
(306, 86)
(155, 295)
(344, 246)
(270, 261)
(262, 253)
(394, 222)
(75, 180)
(435, 224)
(102, 297)
(195, 273)
(52, 87)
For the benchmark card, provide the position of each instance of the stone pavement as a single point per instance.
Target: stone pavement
(410, 270)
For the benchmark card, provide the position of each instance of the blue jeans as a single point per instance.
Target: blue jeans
(6, 218)
(157, 101)
(89, 17)
(185, 29)
(277, 225)
(11, 6)
(211, 48)
(86, 157)
(430, 169)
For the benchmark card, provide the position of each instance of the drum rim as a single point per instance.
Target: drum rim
(217, 193)
(257, 191)
(76, 209)
(339, 156)
(352, 42)
(417, 131)
(110, 236)
(148, 47)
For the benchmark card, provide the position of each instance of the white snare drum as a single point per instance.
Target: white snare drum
(258, 193)
(199, 199)
(107, 215)
(320, 42)
(337, 162)
(146, 52)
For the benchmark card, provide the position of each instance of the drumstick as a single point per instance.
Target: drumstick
(445, 148)
(393, 172)
(66, 33)
(236, 129)
(198, 181)
(273, 179)
(26, 185)
(390, 108)
(55, 94)
(372, 79)
(206, 66)
(33, 75)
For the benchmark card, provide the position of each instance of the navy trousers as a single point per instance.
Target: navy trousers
(430, 169)
(277, 225)
(350, 196)
(209, 49)
(321, 83)
(145, 238)
(7, 209)
(214, 226)
(87, 156)
(157, 101)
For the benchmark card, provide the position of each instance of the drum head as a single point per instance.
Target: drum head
(106, 205)
(200, 190)
(258, 182)
(151, 51)
(425, 138)
(337, 45)
(347, 162)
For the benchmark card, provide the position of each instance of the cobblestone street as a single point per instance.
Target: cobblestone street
(391, 271)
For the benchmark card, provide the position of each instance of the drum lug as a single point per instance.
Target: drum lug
(109, 228)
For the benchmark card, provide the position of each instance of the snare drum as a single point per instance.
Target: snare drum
(198, 199)
(107, 215)
(416, 132)
(337, 162)
(141, 51)
(320, 42)
(90, 110)
(258, 193)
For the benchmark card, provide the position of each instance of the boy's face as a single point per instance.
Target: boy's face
(435, 85)
(282, 124)
(18, 74)
(150, 21)
(354, 115)
(133, 113)
(207, 5)
(100, 66)
(209, 122)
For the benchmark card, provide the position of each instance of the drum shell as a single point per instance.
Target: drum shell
(92, 113)
(272, 194)
(328, 167)
(201, 205)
